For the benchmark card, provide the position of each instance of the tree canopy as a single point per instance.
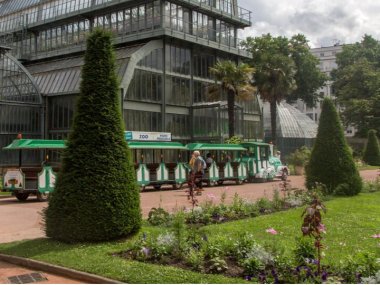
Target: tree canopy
(357, 84)
(284, 70)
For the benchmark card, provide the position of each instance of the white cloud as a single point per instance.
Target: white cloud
(323, 22)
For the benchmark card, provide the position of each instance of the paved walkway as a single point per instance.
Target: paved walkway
(9, 270)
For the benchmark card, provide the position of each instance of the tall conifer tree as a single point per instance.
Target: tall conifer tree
(96, 196)
(331, 162)
(372, 150)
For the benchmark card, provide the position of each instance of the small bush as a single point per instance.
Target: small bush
(158, 216)
(304, 251)
(371, 154)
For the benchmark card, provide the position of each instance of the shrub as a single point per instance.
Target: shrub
(331, 162)
(96, 196)
(371, 186)
(195, 259)
(371, 154)
(304, 251)
(300, 157)
(363, 264)
(158, 216)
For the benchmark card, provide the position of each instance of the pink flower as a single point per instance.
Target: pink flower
(211, 196)
(376, 236)
(271, 231)
(322, 228)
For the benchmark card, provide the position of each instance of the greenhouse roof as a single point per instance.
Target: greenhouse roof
(63, 76)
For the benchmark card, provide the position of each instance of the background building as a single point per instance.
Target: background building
(327, 59)
(294, 128)
(164, 50)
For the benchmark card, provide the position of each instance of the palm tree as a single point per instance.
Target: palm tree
(274, 75)
(235, 80)
(274, 84)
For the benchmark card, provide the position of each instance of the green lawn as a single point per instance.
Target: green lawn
(350, 223)
(368, 167)
(5, 193)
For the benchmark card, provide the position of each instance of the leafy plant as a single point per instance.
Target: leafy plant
(363, 264)
(158, 216)
(304, 251)
(312, 225)
(217, 265)
(195, 259)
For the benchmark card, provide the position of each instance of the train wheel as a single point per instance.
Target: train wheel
(157, 186)
(177, 186)
(42, 197)
(220, 182)
(284, 176)
(22, 196)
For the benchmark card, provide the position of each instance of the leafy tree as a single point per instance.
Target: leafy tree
(236, 82)
(371, 154)
(96, 196)
(331, 162)
(284, 70)
(357, 84)
(308, 77)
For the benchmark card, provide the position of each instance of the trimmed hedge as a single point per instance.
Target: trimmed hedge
(331, 162)
(371, 154)
(96, 196)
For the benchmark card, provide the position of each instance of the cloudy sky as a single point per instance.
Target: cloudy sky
(323, 22)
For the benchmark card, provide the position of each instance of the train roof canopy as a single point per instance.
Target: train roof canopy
(212, 146)
(155, 145)
(35, 144)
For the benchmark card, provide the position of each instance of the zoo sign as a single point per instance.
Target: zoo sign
(148, 136)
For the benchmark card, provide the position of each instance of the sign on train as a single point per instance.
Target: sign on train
(148, 136)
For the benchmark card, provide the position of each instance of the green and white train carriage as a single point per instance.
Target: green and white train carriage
(226, 165)
(159, 163)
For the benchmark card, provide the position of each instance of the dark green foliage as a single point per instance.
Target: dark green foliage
(96, 196)
(372, 150)
(357, 85)
(331, 161)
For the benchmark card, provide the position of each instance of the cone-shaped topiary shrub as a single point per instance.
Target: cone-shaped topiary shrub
(96, 196)
(331, 162)
(372, 150)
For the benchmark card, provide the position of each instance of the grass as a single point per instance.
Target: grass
(368, 167)
(5, 193)
(350, 223)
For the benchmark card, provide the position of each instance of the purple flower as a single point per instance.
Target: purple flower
(248, 277)
(145, 251)
(324, 275)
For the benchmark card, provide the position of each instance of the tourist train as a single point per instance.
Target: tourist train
(158, 161)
